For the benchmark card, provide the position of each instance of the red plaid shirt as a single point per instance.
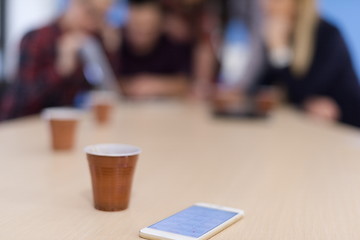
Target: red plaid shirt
(38, 85)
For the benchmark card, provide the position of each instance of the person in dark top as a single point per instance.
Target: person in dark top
(165, 58)
(50, 72)
(310, 59)
(151, 64)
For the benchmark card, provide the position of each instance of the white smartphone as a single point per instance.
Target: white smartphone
(198, 222)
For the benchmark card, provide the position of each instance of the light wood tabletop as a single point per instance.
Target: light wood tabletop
(294, 178)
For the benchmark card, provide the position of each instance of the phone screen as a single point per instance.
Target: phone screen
(194, 221)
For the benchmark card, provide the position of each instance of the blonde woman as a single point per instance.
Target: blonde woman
(310, 59)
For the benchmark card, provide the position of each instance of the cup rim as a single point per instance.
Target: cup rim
(61, 113)
(90, 150)
(99, 97)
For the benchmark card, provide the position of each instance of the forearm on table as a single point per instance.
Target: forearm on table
(155, 85)
(204, 64)
(174, 85)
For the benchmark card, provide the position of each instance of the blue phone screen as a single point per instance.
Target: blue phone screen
(194, 221)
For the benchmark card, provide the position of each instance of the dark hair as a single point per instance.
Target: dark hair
(157, 4)
(145, 2)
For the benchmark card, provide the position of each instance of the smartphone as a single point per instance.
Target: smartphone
(198, 222)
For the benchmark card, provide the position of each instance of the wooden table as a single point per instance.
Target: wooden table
(295, 178)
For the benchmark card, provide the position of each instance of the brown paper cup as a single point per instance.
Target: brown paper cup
(264, 106)
(102, 113)
(63, 134)
(102, 103)
(63, 127)
(112, 168)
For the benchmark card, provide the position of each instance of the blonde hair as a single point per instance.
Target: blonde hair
(304, 36)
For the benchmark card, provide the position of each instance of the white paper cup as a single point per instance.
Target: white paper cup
(63, 126)
(102, 103)
(61, 113)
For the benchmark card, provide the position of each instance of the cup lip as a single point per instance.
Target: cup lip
(101, 97)
(61, 113)
(89, 150)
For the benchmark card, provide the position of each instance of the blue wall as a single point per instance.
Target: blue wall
(346, 15)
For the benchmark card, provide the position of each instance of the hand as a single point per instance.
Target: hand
(68, 48)
(112, 38)
(145, 86)
(228, 99)
(267, 99)
(323, 108)
(202, 90)
(72, 42)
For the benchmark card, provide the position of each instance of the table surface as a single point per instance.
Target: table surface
(295, 178)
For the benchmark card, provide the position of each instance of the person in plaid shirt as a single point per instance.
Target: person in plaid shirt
(50, 71)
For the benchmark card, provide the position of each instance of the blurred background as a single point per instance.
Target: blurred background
(18, 17)
(345, 14)
(201, 48)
